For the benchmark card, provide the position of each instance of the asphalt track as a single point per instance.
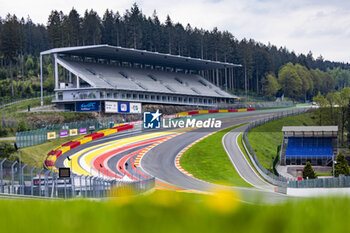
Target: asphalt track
(159, 161)
(241, 164)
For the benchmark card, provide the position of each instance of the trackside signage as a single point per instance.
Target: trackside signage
(152, 120)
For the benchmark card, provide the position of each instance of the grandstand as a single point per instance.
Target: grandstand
(93, 75)
(317, 144)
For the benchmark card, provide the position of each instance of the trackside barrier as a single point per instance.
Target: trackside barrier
(39, 136)
(266, 174)
(34, 182)
(213, 111)
(52, 156)
(337, 182)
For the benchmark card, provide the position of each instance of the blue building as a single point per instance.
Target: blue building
(316, 144)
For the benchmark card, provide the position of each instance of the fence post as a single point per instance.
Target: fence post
(86, 177)
(94, 183)
(65, 188)
(46, 186)
(1, 175)
(31, 180)
(90, 187)
(41, 170)
(81, 189)
(73, 186)
(12, 177)
(22, 179)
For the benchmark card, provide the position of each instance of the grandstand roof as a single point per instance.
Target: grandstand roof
(310, 129)
(140, 56)
(145, 80)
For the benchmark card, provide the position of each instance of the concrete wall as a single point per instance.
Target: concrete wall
(315, 192)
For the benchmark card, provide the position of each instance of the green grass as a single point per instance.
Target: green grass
(59, 116)
(266, 138)
(241, 146)
(324, 174)
(174, 212)
(11, 109)
(278, 107)
(34, 155)
(207, 160)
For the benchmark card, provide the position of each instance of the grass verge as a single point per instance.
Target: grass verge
(174, 212)
(34, 155)
(324, 174)
(266, 138)
(23, 105)
(207, 160)
(241, 146)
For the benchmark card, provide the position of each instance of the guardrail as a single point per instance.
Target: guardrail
(266, 174)
(22, 180)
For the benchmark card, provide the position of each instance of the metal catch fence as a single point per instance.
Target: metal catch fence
(21, 179)
(336, 182)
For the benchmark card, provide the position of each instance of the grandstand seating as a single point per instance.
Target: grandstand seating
(124, 78)
(309, 147)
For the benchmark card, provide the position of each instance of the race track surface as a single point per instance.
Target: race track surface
(114, 156)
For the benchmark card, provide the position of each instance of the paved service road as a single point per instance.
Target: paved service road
(240, 162)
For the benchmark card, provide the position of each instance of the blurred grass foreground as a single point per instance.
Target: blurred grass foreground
(164, 211)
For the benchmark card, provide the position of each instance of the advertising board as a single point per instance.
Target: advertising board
(111, 107)
(135, 108)
(123, 107)
(90, 106)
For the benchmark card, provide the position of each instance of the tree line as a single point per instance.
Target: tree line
(334, 109)
(20, 39)
(298, 82)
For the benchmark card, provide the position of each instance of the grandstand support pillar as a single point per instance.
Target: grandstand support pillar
(229, 78)
(226, 79)
(41, 81)
(70, 77)
(232, 80)
(78, 82)
(213, 77)
(56, 70)
(217, 78)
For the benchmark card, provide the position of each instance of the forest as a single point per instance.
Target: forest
(269, 70)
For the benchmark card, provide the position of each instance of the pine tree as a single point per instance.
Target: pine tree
(108, 28)
(341, 166)
(10, 42)
(55, 28)
(308, 172)
(348, 124)
(91, 28)
(72, 28)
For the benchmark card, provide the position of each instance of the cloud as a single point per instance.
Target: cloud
(317, 25)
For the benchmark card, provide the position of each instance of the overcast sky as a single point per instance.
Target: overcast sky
(301, 25)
